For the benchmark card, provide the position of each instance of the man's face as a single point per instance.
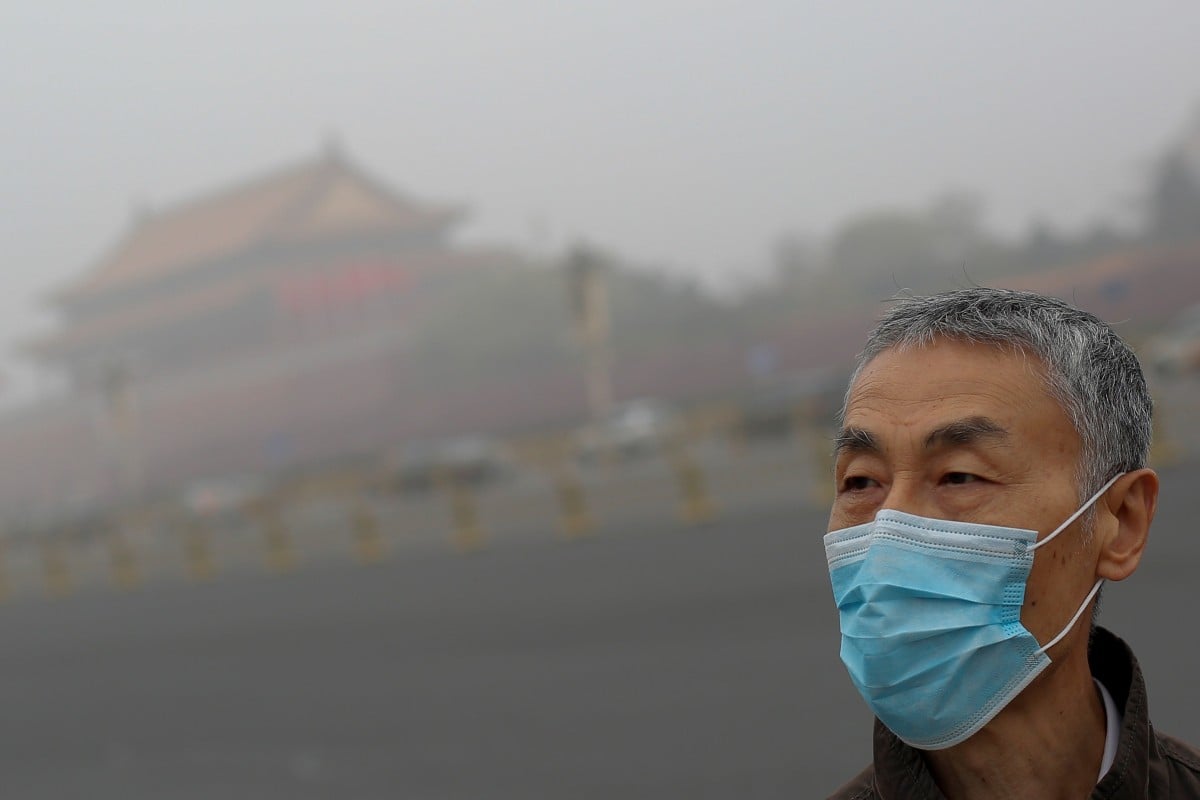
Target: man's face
(969, 432)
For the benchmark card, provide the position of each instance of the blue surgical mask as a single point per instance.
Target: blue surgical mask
(930, 614)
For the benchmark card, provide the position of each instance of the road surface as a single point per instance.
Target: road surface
(654, 662)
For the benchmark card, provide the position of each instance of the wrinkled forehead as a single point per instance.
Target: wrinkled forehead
(1030, 363)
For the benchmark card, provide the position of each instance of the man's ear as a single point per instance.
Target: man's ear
(1131, 502)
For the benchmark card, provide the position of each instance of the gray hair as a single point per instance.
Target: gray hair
(1091, 372)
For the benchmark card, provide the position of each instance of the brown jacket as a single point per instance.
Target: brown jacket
(1148, 765)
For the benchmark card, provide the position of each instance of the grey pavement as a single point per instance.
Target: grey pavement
(662, 662)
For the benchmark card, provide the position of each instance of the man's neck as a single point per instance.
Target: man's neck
(1048, 743)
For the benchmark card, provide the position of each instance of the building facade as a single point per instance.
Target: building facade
(259, 327)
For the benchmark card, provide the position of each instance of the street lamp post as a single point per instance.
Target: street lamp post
(588, 295)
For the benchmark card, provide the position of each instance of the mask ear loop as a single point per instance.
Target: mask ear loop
(1078, 513)
(1074, 619)
(1097, 585)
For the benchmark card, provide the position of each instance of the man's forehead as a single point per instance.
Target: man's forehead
(963, 354)
(948, 380)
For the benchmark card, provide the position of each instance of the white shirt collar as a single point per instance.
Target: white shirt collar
(1113, 734)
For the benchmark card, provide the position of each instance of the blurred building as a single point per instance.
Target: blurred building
(257, 327)
(316, 254)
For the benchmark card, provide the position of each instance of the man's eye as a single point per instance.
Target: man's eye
(959, 478)
(857, 483)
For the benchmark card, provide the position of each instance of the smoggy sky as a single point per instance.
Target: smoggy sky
(687, 134)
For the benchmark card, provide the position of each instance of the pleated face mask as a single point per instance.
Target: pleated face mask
(930, 613)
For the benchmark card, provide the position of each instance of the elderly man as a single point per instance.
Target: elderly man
(991, 476)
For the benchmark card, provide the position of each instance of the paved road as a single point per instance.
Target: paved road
(655, 663)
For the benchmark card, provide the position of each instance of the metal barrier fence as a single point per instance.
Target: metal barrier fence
(359, 515)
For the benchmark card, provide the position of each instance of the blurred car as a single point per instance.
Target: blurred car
(466, 460)
(637, 428)
(775, 408)
(225, 496)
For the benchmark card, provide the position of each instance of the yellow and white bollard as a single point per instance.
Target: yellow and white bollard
(695, 503)
(821, 491)
(122, 562)
(1163, 451)
(369, 547)
(466, 534)
(575, 517)
(56, 570)
(278, 553)
(5, 589)
(197, 553)
(734, 429)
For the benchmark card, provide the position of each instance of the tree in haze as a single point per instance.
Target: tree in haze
(875, 254)
(884, 251)
(1173, 204)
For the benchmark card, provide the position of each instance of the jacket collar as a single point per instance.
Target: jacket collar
(1114, 665)
(901, 774)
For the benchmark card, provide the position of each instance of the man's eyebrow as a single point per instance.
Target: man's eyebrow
(855, 440)
(969, 431)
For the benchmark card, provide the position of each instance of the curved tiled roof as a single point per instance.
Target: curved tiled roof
(321, 198)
